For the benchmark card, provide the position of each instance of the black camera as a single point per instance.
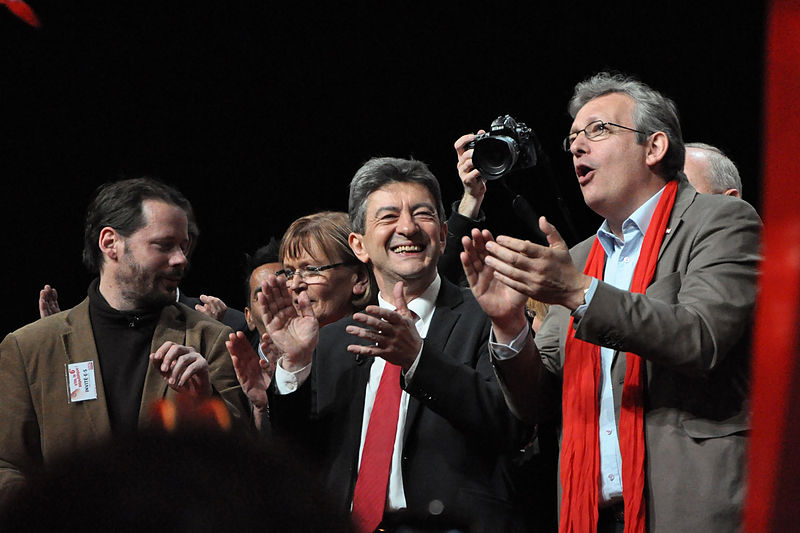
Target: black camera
(507, 146)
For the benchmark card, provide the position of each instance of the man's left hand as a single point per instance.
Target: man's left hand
(183, 368)
(544, 273)
(393, 334)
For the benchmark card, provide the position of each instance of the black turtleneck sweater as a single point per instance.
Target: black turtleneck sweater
(123, 340)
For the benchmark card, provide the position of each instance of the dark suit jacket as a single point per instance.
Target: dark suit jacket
(692, 327)
(458, 430)
(38, 423)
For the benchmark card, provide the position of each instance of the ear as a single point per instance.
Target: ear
(356, 241)
(443, 236)
(248, 317)
(657, 146)
(111, 243)
(732, 192)
(362, 282)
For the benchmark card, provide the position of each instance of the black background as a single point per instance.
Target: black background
(260, 112)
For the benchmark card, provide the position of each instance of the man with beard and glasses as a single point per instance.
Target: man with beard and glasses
(91, 373)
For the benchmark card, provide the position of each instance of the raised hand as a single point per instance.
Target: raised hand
(183, 368)
(497, 299)
(254, 374)
(393, 334)
(474, 184)
(294, 331)
(545, 273)
(48, 302)
(212, 306)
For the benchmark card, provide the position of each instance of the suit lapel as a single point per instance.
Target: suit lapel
(442, 323)
(684, 199)
(171, 327)
(79, 346)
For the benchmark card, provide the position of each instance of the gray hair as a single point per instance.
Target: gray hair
(724, 175)
(652, 112)
(381, 171)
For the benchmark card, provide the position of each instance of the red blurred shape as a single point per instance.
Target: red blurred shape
(774, 468)
(23, 11)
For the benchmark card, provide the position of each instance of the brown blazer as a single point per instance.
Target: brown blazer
(38, 422)
(693, 328)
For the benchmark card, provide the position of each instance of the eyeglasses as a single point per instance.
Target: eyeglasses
(309, 272)
(594, 131)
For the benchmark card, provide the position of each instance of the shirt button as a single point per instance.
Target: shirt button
(291, 385)
(608, 432)
(626, 259)
(611, 477)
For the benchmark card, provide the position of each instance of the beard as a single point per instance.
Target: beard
(143, 288)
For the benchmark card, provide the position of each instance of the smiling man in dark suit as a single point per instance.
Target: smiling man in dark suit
(434, 454)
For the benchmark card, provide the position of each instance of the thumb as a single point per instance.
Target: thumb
(553, 236)
(400, 299)
(304, 305)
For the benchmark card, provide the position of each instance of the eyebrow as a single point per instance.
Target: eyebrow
(394, 208)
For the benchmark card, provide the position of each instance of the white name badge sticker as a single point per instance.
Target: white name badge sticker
(80, 381)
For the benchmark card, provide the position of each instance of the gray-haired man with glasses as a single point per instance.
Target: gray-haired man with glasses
(649, 328)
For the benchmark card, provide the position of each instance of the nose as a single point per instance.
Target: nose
(580, 145)
(296, 283)
(178, 258)
(406, 225)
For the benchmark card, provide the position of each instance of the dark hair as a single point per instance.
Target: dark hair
(266, 254)
(328, 232)
(119, 205)
(652, 112)
(380, 171)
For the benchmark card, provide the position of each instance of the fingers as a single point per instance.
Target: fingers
(462, 142)
(553, 236)
(178, 363)
(214, 307)
(400, 300)
(274, 297)
(304, 305)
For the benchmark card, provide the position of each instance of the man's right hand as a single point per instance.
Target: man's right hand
(48, 302)
(294, 332)
(474, 184)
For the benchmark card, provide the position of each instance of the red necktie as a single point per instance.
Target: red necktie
(369, 498)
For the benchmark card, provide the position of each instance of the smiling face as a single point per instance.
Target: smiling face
(331, 292)
(144, 269)
(403, 237)
(615, 173)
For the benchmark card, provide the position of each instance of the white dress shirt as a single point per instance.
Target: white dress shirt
(288, 382)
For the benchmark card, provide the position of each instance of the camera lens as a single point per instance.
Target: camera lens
(494, 156)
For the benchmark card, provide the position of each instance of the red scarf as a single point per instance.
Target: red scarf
(580, 448)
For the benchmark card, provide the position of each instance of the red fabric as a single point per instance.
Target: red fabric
(773, 480)
(23, 11)
(580, 450)
(369, 497)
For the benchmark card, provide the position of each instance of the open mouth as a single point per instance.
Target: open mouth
(407, 249)
(583, 172)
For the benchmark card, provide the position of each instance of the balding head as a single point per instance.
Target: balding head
(710, 171)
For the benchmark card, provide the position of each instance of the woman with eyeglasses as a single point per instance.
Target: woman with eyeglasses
(317, 260)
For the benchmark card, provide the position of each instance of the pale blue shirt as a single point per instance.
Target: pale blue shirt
(621, 258)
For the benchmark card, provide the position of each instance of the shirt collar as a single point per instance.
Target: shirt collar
(423, 305)
(637, 222)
